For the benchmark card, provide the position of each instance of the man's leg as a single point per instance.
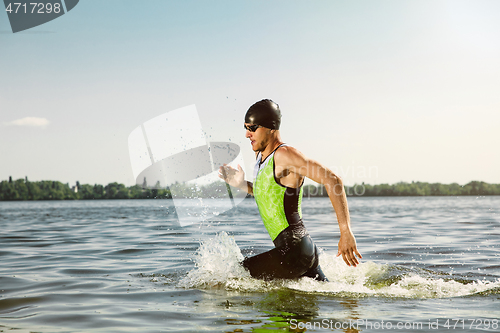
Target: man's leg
(315, 271)
(268, 265)
(292, 263)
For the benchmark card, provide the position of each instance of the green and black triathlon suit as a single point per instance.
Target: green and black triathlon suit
(295, 254)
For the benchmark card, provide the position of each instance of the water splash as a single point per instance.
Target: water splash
(217, 265)
(217, 262)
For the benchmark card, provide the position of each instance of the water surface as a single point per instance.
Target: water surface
(126, 265)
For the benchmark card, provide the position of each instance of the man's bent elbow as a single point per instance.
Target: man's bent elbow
(335, 185)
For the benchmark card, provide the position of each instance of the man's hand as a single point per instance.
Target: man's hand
(232, 176)
(348, 249)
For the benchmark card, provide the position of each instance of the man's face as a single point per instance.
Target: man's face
(258, 139)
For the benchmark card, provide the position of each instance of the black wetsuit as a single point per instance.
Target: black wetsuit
(295, 254)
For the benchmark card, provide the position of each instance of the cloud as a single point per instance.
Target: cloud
(29, 121)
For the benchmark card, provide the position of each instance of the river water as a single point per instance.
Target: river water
(429, 264)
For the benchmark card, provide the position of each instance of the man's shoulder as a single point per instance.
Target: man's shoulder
(286, 149)
(288, 154)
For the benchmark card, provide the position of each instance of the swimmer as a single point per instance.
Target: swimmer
(279, 174)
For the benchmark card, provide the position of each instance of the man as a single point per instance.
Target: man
(278, 177)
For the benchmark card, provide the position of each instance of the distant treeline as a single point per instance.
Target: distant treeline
(410, 189)
(23, 189)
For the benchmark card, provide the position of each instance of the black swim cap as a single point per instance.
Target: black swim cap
(265, 113)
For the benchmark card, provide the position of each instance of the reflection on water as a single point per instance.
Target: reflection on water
(291, 311)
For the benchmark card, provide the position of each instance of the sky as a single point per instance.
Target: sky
(377, 91)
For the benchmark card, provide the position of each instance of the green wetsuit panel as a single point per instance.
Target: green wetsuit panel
(275, 206)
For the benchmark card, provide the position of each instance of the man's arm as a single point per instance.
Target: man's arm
(235, 178)
(297, 163)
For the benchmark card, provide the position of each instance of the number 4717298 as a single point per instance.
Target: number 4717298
(36, 8)
(471, 323)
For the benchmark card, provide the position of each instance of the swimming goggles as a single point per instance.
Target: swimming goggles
(251, 128)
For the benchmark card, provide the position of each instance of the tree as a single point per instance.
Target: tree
(85, 192)
(98, 191)
(22, 189)
(34, 191)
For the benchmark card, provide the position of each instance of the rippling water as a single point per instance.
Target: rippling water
(126, 265)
